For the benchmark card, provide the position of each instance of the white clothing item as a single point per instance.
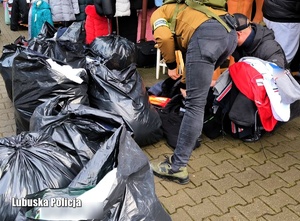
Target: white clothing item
(66, 70)
(92, 202)
(122, 8)
(280, 110)
(287, 35)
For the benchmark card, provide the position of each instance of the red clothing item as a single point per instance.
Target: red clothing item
(95, 25)
(250, 82)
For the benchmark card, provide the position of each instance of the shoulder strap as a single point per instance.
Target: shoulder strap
(173, 21)
(202, 8)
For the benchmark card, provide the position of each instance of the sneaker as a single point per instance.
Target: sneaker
(164, 170)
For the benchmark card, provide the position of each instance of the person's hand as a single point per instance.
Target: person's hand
(183, 92)
(213, 83)
(173, 74)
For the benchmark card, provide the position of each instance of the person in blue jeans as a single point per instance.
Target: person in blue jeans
(206, 43)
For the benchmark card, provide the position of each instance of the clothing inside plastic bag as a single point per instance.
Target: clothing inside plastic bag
(68, 48)
(35, 81)
(74, 33)
(129, 194)
(31, 162)
(123, 92)
(79, 129)
(116, 51)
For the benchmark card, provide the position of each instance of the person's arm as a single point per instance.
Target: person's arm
(164, 37)
(271, 51)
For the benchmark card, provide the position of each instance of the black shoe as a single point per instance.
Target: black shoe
(252, 138)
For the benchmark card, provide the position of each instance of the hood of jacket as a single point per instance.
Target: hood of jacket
(90, 10)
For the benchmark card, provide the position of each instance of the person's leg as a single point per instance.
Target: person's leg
(285, 35)
(208, 48)
(206, 51)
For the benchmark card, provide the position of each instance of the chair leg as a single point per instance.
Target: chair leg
(164, 70)
(157, 63)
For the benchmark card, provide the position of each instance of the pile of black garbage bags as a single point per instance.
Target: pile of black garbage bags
(82, 115)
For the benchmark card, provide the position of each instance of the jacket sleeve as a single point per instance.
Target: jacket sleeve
(272, 51)
(164, 38)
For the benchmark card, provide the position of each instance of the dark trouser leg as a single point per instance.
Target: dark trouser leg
(208, 48)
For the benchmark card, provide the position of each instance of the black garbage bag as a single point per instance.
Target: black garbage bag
(64, 51)
(115, 51)
(9, 52)
(35, 81)
(123, 92)
(47, 31)
(68, 48)
(31, 162)
(79, 129)
(131, 195)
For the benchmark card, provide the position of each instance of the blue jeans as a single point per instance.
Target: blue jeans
(209, 47)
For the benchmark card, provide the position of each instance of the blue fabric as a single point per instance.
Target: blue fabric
(208, 48)
(40, 14)
(156, 89)
(61, 31)
(158, 3)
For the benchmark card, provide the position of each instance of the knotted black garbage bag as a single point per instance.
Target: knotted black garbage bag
(115, 51)
(123, 92)
(31, 162)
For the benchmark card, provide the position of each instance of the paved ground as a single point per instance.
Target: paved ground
(230, 180)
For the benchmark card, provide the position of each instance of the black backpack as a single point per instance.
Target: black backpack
(171, 116)
(234, 114)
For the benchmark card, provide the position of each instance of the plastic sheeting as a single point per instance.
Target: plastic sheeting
(132, 197)
(31, 162)
(35, 81)
(79, 129)
(9, 52)
(68, 47)
(115, 51)
(123, 92)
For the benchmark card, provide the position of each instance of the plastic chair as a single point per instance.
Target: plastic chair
(161, 63)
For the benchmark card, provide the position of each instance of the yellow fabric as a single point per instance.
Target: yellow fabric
(258, 18)
(240, 6)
